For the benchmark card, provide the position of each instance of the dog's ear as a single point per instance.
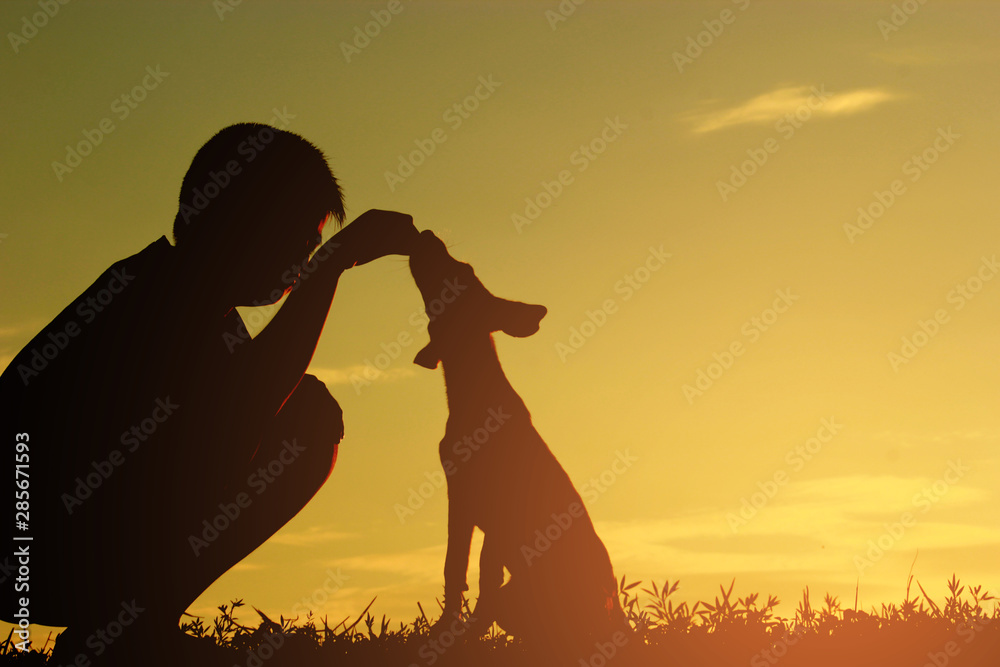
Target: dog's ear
(518, 319)
(428, 356)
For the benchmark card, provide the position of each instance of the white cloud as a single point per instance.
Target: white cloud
(310, 536)
(419, 564)
(360, 373)
(815, 525)
(244, 566)
(10, 332)
(772, 106)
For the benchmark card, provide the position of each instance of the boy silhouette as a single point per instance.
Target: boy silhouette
(163, 444)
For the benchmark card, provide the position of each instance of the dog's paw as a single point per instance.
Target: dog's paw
(453, 627)
(377, 234)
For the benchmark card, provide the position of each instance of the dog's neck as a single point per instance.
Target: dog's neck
(474, 378)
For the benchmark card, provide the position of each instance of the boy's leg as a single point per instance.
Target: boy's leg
(295, 457)
(180, 535)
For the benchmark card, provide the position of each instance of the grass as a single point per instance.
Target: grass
(958, 631)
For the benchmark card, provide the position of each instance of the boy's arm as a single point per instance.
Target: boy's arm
(278, 357)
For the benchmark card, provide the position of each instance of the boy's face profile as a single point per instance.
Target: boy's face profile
(262, 267)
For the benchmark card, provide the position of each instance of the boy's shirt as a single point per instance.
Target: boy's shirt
(113, 392)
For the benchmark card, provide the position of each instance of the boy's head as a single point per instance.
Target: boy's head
(253, 203)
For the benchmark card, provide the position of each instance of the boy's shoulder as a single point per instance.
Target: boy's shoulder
(105, 306)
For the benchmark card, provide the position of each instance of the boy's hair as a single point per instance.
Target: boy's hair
(255, 179)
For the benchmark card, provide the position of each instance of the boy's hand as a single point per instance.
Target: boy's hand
(376, 234)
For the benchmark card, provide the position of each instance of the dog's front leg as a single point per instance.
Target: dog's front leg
(456, 562)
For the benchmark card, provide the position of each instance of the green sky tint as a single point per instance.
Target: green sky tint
(868, 100)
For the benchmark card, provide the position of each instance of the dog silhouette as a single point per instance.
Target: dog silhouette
(502, 477)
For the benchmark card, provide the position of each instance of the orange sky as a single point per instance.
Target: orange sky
(835, 367)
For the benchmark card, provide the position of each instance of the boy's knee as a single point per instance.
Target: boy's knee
(312, 423)
(312, 410)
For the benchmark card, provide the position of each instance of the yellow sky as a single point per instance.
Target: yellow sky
(744, 157)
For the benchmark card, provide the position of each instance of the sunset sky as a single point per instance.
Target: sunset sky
(843, 365)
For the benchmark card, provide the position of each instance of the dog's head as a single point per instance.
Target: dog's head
(458, 307)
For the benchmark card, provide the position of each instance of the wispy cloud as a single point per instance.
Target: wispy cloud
(10, 332)
(310, 536)
(422, 564)
(360, 373)
(243, 566)
(807, 524)
(418, 564)
(772, 106)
